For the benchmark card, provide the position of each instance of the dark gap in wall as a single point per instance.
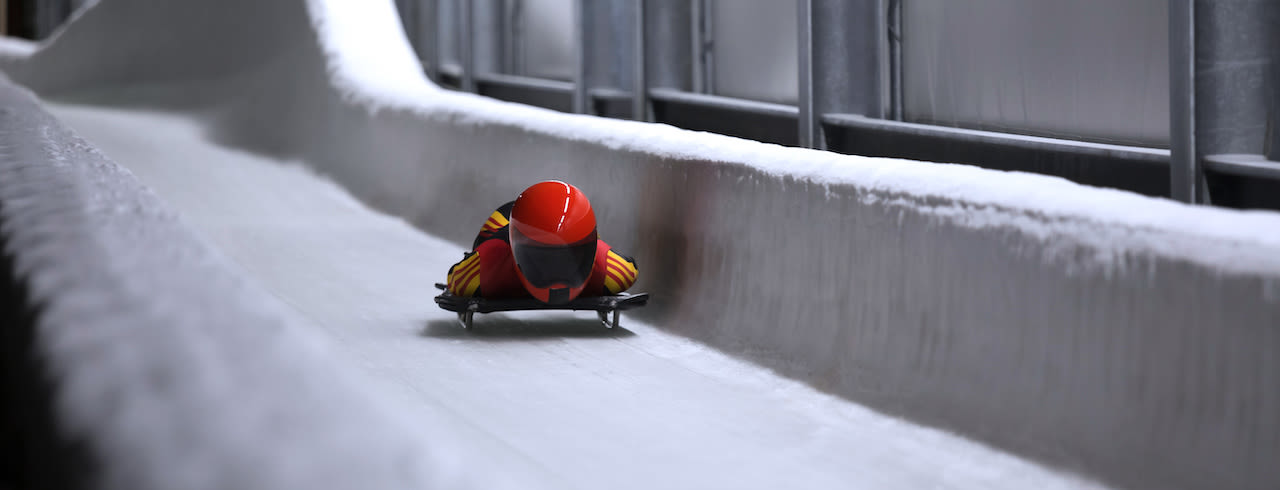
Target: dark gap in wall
(1240, 192)
(1103, 171)
(760, 127)
(548, 98)
(609, 106)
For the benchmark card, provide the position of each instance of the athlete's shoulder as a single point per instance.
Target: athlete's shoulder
(505, 209)
(495, 227)
(499, 217)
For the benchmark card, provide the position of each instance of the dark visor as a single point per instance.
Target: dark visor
(545, 266)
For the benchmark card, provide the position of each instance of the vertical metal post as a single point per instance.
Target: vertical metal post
(580, 80)
(893, 28)
(669, 54)
(808, 120)
(489, 38)
(1272, 39)
(1184, 169)
(640, 79)
(1273, 140)
(509, 10)
(430, 53)
(842, 62)
(845, 65)
(1235, 47)
(468, 46)
(708, 60)
(702, 43)
(1272, 150)
(695, 42)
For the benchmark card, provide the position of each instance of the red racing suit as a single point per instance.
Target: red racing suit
(489, 270)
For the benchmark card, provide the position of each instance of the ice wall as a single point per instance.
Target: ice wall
(137, 357)
(1131, 338)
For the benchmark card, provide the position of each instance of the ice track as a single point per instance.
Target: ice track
(552, 399)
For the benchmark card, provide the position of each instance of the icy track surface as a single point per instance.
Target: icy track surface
(554, 398)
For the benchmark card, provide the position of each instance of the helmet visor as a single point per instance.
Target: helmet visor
(545, 265)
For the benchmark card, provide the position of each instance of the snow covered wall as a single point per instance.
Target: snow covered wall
(1131, 338)
(136, 356)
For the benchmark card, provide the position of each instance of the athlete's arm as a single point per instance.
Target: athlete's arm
(464, 276)
(620, 272)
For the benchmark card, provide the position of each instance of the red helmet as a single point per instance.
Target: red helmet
(553, 240)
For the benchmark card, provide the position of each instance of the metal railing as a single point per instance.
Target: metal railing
(660, 62)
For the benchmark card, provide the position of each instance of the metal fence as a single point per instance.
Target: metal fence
(1099, 92)
(1173, 98)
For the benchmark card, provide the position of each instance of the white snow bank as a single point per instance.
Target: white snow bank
(173, 369)
(366, 59)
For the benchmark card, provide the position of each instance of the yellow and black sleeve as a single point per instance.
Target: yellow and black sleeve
(464, 277)
(620, 273)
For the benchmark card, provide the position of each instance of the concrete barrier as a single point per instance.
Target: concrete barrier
(1134, 339)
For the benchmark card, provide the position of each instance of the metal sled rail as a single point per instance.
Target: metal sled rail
(466, 307)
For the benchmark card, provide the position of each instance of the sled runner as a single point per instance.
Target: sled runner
(467, 306)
